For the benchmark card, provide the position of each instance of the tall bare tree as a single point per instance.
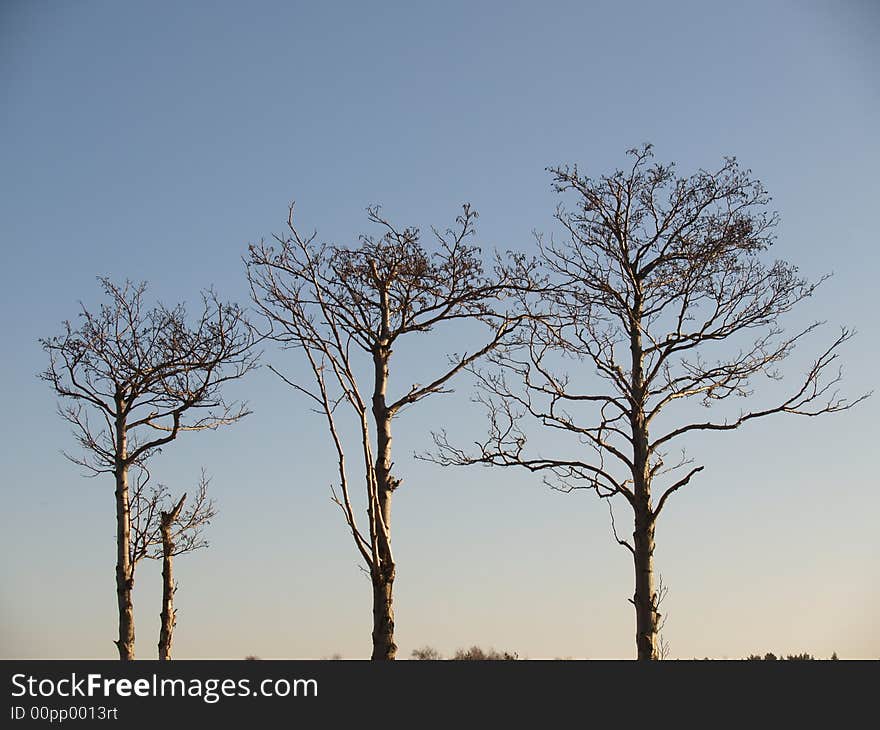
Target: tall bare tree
(346, 309)
(144, 375)
(655, 275)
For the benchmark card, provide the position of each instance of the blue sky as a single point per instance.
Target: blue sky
(156, 140)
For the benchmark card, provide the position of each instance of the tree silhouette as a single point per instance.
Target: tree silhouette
(655, 275)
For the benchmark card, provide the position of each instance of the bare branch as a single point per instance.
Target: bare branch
(678, 485)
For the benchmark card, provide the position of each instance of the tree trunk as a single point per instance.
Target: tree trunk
(383, 574)
(169, 614)
(645, 597)
(384, 648)
(124, 569)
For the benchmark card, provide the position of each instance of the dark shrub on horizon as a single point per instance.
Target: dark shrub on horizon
(475, 653)
(426, 653)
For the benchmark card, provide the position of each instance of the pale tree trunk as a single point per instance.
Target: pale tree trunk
(124, 568)
(644, 598)
(382, 577)
(383, 574)
(169, 614)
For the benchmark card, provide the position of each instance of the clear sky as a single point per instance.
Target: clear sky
(156, 140)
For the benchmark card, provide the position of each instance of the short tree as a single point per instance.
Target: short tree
(346, 309)
(133, 379)
(655, 274)
(180, 531)
(160, 530)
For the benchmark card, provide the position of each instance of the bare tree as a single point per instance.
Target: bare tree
(181, 532)
(339, 304)
(144, 375)
(656, 273)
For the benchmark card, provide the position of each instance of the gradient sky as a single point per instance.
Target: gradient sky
(156, 140)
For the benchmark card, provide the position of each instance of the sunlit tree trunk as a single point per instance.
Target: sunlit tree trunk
(382, 574)
(169, 614)
(644, 598)
(124, 569)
